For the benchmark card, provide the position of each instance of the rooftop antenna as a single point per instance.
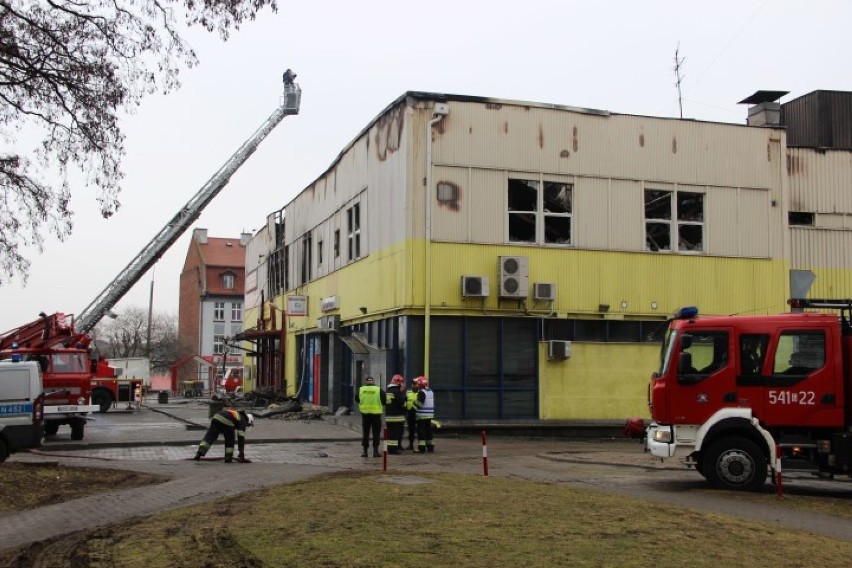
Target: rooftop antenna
(677, 69)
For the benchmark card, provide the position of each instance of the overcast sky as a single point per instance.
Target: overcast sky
(354, 58)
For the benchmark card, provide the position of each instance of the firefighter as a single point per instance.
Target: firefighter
(425, 409)
(371, 400)
(411, 413)
(395, 413)
(230, 423)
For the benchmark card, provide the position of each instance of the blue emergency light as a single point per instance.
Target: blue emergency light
(687, 312)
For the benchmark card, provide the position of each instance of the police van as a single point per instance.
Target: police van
(21, 407)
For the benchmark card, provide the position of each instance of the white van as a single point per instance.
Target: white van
(21, 407)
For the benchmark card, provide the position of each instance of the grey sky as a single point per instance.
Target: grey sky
(353, 59)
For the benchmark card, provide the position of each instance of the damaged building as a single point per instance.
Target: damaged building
(525, 256)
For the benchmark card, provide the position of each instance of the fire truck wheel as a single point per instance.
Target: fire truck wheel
(735, 463)
(103, 399)
(77, 430)
(50, 428)
(4, 450)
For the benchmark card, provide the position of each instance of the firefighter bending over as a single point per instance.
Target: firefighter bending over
(230, 423)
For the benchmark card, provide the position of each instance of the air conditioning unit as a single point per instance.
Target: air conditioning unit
(544, 291)
(514, 276)
(557, 349)
(474, 286)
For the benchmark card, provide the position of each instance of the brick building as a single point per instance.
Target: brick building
(210, 310)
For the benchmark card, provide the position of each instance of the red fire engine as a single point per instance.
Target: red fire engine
(73, 375)
(66, 369)
(737, 397)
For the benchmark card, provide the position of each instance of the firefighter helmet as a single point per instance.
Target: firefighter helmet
(422, 382)
(398, 380)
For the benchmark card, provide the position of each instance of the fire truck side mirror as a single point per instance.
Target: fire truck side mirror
(686, 373)
(685, 341)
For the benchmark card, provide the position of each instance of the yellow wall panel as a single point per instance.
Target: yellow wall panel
(599, 381)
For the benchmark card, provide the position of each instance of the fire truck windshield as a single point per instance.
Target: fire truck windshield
(666, 351)
(68, 363)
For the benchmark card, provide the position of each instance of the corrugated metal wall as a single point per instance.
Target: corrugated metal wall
(821, 119)
(610, 160)
(820, 181)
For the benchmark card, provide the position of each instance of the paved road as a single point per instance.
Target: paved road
(160, 439)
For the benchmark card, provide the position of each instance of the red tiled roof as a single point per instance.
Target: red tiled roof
(223, 252)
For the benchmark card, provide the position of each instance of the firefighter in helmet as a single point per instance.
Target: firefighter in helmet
(425, 409)
(395, 413)
(411, 413)
(231, 424)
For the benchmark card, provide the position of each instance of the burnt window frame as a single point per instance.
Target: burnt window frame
(801, 219)
(529, 219)
(307, 250)
(675, 219)
(353, 230)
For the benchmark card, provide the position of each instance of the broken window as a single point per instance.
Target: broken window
(528, 209)
(353, 227)
(337, 243)
(523, 205)
(319, 252)
(686, 208)
(690, 221)
(800, 218)
(557, 212)
(306, 258)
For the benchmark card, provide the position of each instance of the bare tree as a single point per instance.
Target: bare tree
(126, 336)
(68, 68)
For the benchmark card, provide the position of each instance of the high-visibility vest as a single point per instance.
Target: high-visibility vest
(369, 400)
(394, 404)
(410, 399)
(426, 406)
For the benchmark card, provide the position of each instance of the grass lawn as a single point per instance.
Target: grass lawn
(396, 519)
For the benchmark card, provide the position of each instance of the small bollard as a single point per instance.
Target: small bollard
(385, 450)
(484, 454)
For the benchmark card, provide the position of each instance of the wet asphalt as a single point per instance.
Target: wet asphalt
(161, 439)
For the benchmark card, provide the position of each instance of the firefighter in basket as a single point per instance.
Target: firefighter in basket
(231, 424)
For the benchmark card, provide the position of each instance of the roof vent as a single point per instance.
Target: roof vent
(765, 109)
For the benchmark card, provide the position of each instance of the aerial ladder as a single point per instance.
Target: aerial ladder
(158, 246)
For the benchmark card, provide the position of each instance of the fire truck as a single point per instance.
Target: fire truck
(67, 372)
(76, 380)
(740, 397)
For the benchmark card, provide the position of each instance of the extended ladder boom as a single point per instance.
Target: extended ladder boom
(185, 217)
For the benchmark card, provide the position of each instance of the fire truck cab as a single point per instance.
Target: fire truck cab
(738, 396)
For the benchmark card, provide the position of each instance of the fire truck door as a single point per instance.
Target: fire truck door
(752, 373)
(706, 376)
(801, 390)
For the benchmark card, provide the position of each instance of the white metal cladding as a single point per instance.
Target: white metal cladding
(607, 214)
(372, 173)
(821, 249)
(737, 222)
(522, 138)
(820, 180)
